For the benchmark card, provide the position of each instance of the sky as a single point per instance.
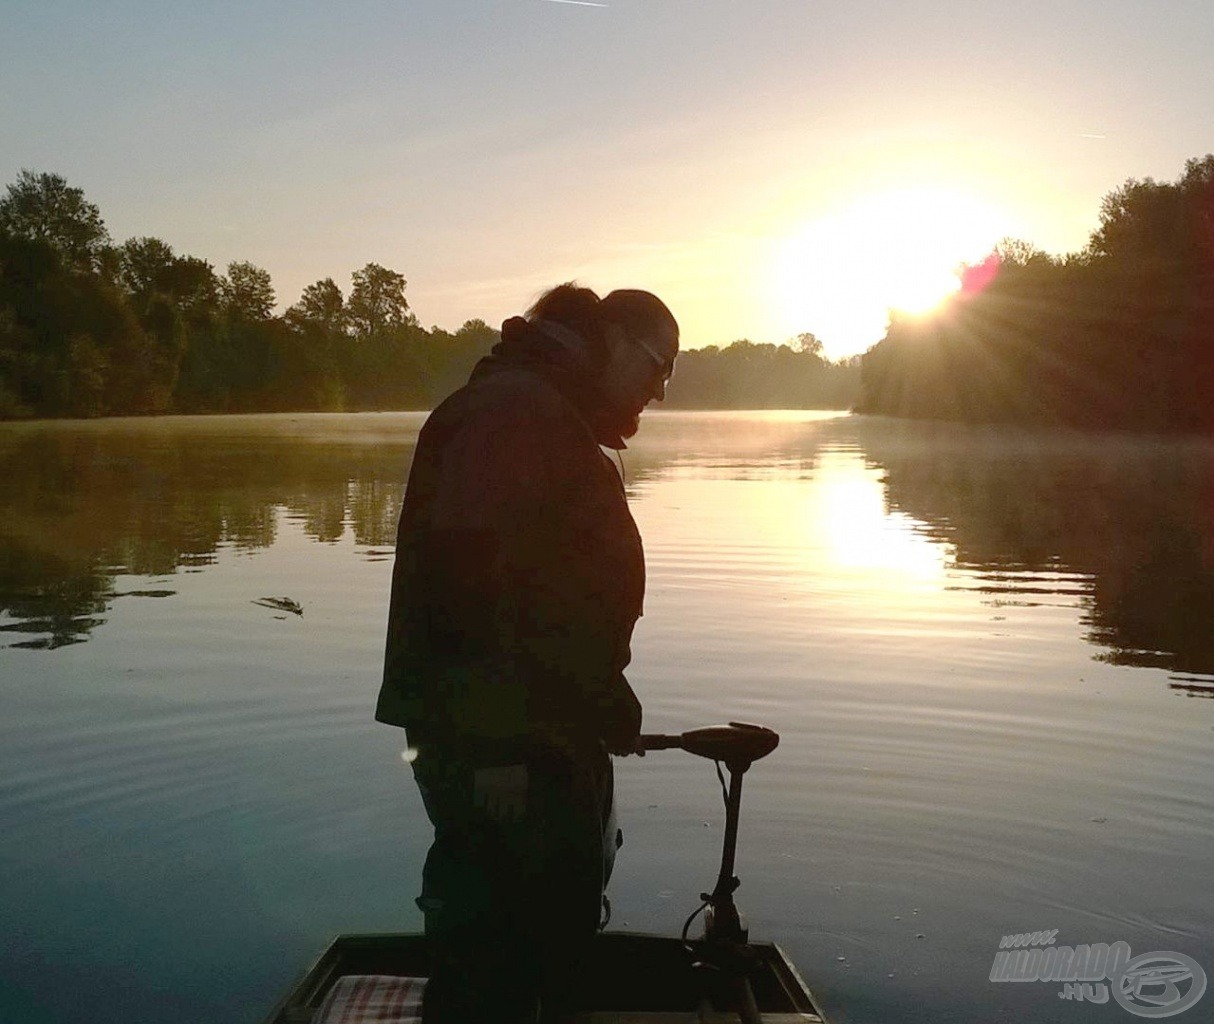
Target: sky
(768, 167)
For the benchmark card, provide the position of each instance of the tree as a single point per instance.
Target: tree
(321, 304)
(1149, 224)
(1019, 253)
(18, 356)
(807, 342)
(145, 267)
(312, 364)
(1117, 336)
(148, 267)
(247, 291)
(377, 301)
(478, 334)
(193, 283)
(43, 207)
(1144, 224)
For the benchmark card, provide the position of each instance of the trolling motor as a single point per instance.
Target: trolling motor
(737, 746)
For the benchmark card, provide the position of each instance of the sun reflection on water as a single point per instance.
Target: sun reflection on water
(859, 531)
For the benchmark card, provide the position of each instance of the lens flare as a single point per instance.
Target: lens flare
(840, 274)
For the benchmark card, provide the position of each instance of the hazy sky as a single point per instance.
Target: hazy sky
(767, 166)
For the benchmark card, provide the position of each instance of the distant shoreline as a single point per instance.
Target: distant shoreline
(286, 413)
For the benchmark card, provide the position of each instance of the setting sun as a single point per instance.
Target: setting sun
(840, 274)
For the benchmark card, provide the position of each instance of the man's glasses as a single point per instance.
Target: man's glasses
(661, 362)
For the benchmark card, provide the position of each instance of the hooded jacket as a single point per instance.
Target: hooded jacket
(519, 571)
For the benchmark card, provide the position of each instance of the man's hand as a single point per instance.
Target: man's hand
(501, 791)
(634, 747)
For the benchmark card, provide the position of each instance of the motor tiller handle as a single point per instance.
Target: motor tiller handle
(738, 744)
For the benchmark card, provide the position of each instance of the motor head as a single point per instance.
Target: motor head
(738, 744)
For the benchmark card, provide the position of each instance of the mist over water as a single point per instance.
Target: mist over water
(987, 652)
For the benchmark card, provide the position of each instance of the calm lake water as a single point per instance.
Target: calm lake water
(989, 654)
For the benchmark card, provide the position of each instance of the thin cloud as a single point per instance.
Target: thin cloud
(577, 3)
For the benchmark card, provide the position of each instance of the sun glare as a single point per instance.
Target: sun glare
(840, 274)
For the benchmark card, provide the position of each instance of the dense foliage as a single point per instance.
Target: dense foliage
(1119, 335)
(90, 328)
(746, 375)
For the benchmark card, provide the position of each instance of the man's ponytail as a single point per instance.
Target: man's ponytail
(577, 308)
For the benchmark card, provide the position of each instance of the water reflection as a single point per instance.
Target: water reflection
(864, 532)
(1028, 514)
(89, 503)
(1121, 525)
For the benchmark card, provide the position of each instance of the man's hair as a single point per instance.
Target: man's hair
(572, 306)
(581, 310)
(638, 312)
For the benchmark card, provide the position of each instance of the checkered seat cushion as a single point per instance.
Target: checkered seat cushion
(372, 999)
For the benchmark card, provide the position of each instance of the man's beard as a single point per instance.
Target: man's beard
(625, 423)
(618, 418)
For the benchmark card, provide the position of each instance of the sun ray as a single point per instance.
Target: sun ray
(840, 274)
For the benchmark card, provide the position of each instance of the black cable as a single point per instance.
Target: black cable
(694, 914)
(706, 897)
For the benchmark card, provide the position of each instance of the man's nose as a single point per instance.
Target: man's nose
(659, 391)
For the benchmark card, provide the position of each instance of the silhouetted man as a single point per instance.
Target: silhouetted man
(519, 577)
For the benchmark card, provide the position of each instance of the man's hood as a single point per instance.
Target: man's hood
(567, 367)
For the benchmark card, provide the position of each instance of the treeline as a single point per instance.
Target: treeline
(1119, 335)
(93, 328)
(746, 375)
(89, 328)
